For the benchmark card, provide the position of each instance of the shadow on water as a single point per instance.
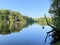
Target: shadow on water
(55, 38)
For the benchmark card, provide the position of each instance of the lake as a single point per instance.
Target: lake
(27, 35)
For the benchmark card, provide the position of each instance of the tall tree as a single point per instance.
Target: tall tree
(55, 11)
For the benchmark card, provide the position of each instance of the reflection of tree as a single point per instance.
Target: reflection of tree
(55, 35)
(4, 29)
(56, 38)
(10, 28)
(11, 21)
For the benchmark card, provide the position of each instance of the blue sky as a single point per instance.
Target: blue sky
(32, 8)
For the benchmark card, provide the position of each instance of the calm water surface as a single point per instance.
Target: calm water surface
(31, 35)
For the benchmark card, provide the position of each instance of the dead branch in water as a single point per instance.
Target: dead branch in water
(54, 29)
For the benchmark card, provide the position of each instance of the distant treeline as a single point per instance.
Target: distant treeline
(42, 20)
(13, 17)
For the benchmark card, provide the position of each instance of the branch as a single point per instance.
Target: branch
(48, 23)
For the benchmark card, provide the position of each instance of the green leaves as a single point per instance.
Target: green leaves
(55, 11)
(8, 16)
(42, 20)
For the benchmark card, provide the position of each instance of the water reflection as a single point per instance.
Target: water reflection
(32, 35)
(55, 38)
(10, 28)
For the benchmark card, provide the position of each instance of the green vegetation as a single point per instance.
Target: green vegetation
(55, 12)
(42, 20)
(10, 17)
(11, 28)
(11, 21)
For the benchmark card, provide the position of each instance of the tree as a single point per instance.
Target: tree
(55, 11)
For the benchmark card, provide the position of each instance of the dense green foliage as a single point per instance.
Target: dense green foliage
(12, 17)
(8, 16)
(42, 20)
(11, 21)
(55, 12)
